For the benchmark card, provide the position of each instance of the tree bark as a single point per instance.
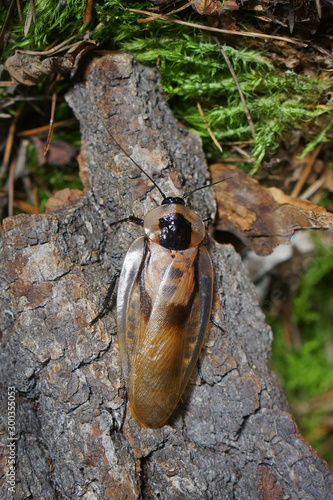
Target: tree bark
(231, 435)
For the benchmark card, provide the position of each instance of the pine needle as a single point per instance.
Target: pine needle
(247, 113)
(220, 30)
(217, 144)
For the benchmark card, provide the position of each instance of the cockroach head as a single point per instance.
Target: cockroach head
(173, 199)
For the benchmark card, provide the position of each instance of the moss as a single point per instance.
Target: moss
(193, 69)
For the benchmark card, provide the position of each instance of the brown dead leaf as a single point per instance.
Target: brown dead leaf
(231, 5)
(262, 218)
(32, 69)
(87, 11)
(206, 7)
(203, 7)
(62, 198)
(59, 153)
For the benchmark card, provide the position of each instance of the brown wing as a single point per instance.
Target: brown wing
(168, 310)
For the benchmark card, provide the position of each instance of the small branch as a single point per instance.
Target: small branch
(11, 187)
(159, 14)
(9, 145)
(298, 187)
(51, 126)
(310, 191)
(232, 71)
(215, 141)
(34, 131)
(220, 30)
(62, 46)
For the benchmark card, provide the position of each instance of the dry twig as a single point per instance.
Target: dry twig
(307, 169)
(53, 50)
(9, 145)
(232, 71)
(53, 106)
(215, 141)
(226, 32)
(34, 131)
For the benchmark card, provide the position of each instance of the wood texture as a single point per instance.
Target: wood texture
(231, 436)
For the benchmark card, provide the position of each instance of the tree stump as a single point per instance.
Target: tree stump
(231, 435)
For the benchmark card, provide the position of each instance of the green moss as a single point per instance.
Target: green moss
(193, 69)
(54, 19)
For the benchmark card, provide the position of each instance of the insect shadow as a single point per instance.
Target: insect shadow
(164, 303)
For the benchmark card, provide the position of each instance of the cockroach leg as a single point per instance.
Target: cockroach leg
(108, 301)
(202, 380)
(130, 218)
(218, 326)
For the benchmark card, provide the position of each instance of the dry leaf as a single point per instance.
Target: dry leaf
(231, 5)
(62, 198)
(59, 153)
(262, 217)
(203, 7)
(206, 7)
(31, 70)
(87, 11)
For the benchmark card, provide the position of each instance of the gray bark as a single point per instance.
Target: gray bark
(231, 435)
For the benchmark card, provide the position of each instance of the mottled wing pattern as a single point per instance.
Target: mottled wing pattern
(167, 306)
(199, 318)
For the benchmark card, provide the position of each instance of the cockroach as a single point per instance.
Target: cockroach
(164, 304)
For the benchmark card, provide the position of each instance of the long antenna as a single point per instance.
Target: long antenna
(204, 187)
(135, 163)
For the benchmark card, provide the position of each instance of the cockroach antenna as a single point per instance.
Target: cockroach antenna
(150, 178)
(204, 187)
(135, 163)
